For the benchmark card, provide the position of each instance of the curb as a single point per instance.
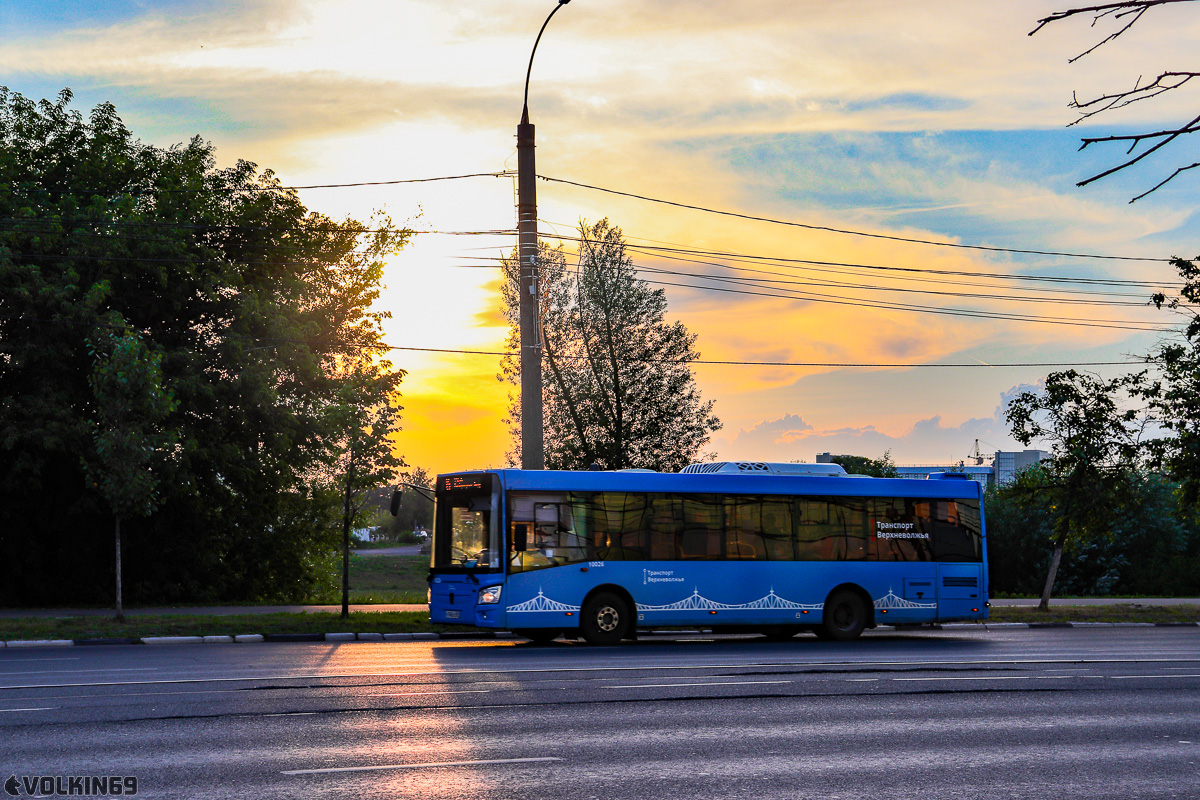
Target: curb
(452, 636)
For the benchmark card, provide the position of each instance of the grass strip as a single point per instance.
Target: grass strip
(1121, 612)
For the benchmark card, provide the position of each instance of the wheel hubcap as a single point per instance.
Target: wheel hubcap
(607, 619)
(843, 617)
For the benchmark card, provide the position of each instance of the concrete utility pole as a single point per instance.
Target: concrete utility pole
(532, 455)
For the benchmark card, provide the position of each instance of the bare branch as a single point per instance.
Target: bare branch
(1129, 12)
(1170, 138)
(1116, 10)
(1164, 182)
(1137, 138)
(1108, 102)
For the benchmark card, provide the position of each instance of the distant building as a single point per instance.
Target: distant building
(1002, 471)
(1008, 464)
(982, 473)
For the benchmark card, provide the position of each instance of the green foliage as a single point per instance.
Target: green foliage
(1153, 550)
(1175, 397)
(129, 403)
(248, 302)
(1122, 529)
(617, 386)
(1020, 532)
(862, 465)
(1094, 445)
(1094, 441)
(363, 419)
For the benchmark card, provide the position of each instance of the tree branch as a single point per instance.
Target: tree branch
(1115, 10)
(1164, 182)
(1170, 137)
(1131, 96)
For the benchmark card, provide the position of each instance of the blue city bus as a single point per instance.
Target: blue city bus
(738, 546)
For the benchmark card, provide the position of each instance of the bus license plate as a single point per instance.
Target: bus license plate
(453, 615)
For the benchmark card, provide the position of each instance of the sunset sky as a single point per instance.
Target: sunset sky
(860, 122)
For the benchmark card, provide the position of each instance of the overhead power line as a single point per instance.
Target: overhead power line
(503, 174)
(398, 182)
(273, 342)
(817, 297)
(749, 277)
(844, 231)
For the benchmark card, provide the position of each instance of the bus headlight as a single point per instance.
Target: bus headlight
(490, 595)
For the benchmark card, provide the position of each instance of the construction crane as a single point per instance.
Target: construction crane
(975, 455)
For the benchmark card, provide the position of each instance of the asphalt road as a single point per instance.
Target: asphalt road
(1014, 713)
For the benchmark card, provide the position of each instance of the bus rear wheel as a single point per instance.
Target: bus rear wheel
(605, 619)
(844, 617)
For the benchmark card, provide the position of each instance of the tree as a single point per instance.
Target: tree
(365, 417)
(1153, 549)
(1175, 397)
(1126, 13)
(130, 404)
(249, 300)
(862, 465)
(617, 386)
(1094, 446)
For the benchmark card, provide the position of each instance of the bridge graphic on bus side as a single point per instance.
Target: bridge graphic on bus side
(893, 600)
(540, 603)
(698, 602)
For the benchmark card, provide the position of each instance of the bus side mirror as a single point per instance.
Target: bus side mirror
(520, 538)
(396, 496)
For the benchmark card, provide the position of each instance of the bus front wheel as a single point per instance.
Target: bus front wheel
(605, 619)
(844, 617)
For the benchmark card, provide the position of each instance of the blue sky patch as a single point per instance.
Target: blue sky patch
(19, 19)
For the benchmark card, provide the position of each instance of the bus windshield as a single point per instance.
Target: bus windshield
(465, 531)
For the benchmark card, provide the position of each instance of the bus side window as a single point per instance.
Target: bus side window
(900, 530)
(702, 526)
(955, 536)
(666, 524)
(778, 542)
(815, 537)
(853, 516)
(743, 528)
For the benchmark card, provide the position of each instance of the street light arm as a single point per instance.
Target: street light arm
(529, 71)
(397, 494)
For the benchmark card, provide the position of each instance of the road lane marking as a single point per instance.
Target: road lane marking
(77, 671)
(413, 694)
(973, 678)
(47, 708)
(714, 683)
(426, 765)
(1135, 677)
